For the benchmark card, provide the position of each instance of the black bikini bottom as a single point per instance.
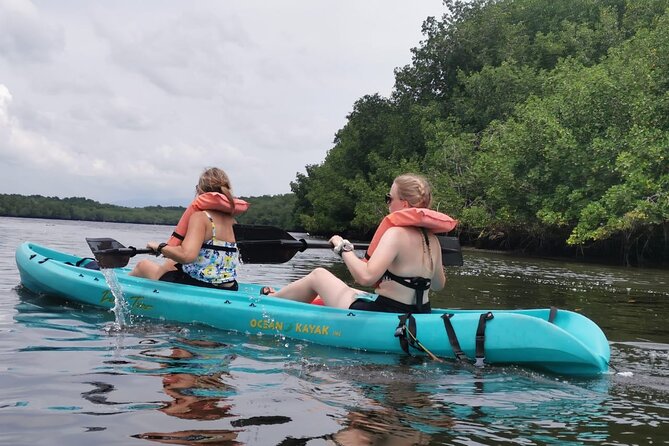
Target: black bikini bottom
(178, 276)
(387, 305)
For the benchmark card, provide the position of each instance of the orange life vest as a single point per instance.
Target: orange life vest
(433, 221)
(214, 201)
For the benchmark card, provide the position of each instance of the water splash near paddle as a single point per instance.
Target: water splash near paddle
(106, 252)
(120, 309)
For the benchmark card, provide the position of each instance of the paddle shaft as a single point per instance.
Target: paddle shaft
(302, 244)
(257, 244)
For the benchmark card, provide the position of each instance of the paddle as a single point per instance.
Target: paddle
(257, 244)
(269, 244)
(111, 254)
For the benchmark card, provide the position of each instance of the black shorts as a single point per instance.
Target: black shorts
(178, 276)
(387, 305)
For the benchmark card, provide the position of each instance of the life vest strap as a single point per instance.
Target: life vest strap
(420, 284)
(218, 248)
(208, 246)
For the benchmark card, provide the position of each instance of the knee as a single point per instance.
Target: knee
(320, 273)
(142, 267)
(143, 264)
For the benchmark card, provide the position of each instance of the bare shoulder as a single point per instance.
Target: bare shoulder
(394, 232)
(198, 217)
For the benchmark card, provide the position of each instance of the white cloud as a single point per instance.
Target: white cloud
(25, 36)
(18, 146)
(126, 100)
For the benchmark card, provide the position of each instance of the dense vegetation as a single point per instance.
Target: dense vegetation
(267, 210)
(543, 126)
(273, 210)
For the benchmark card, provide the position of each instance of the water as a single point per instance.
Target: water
(65, 378)
(120, 309)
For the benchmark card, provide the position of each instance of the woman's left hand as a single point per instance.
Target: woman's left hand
(153, 246)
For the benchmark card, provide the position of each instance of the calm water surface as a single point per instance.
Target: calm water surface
(66, 378)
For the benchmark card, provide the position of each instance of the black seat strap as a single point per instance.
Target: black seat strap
(480, 338)
(406, 332)
(453, 338)
(552, 314)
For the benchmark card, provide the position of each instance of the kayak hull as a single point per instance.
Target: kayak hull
(571, 344)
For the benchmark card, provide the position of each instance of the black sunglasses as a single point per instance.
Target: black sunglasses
(389, 199)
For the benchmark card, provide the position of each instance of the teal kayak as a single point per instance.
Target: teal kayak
(561, 341)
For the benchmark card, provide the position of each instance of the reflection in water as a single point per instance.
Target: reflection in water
(404, 416)
(196, 395)
(246, 389)
(193, 437)
(188, 403)
(190, 385)
(431, 403)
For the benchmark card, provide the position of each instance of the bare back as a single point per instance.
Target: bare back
(223, 223)
(413, 259)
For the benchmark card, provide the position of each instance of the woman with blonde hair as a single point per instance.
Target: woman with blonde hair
(404, 258)
(202, 250)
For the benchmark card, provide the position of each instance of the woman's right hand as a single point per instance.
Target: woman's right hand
(335, 240)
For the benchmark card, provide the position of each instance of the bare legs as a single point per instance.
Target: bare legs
(319, 282)
(152, 270)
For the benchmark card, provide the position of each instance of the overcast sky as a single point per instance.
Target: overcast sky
(127, 101)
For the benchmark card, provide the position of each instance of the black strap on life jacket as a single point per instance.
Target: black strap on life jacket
(420, 284)
(406, 332)
(218, 248)
(206, 245)
(453, 338)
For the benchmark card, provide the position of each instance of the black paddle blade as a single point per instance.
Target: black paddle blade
(109, 253)
(268, 251)
(451, 252)
(266, 244)
(260, 232)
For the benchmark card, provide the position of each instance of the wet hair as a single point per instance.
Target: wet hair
(214, 179)
(414, 189)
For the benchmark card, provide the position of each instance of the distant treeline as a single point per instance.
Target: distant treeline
(543, 126)
(275, 210)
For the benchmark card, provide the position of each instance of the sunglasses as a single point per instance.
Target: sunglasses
(389, 199)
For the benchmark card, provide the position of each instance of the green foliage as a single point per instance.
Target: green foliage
(274, 210)
(79, 208)
(539, 123)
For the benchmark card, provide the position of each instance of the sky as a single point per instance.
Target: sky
(127, 101)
